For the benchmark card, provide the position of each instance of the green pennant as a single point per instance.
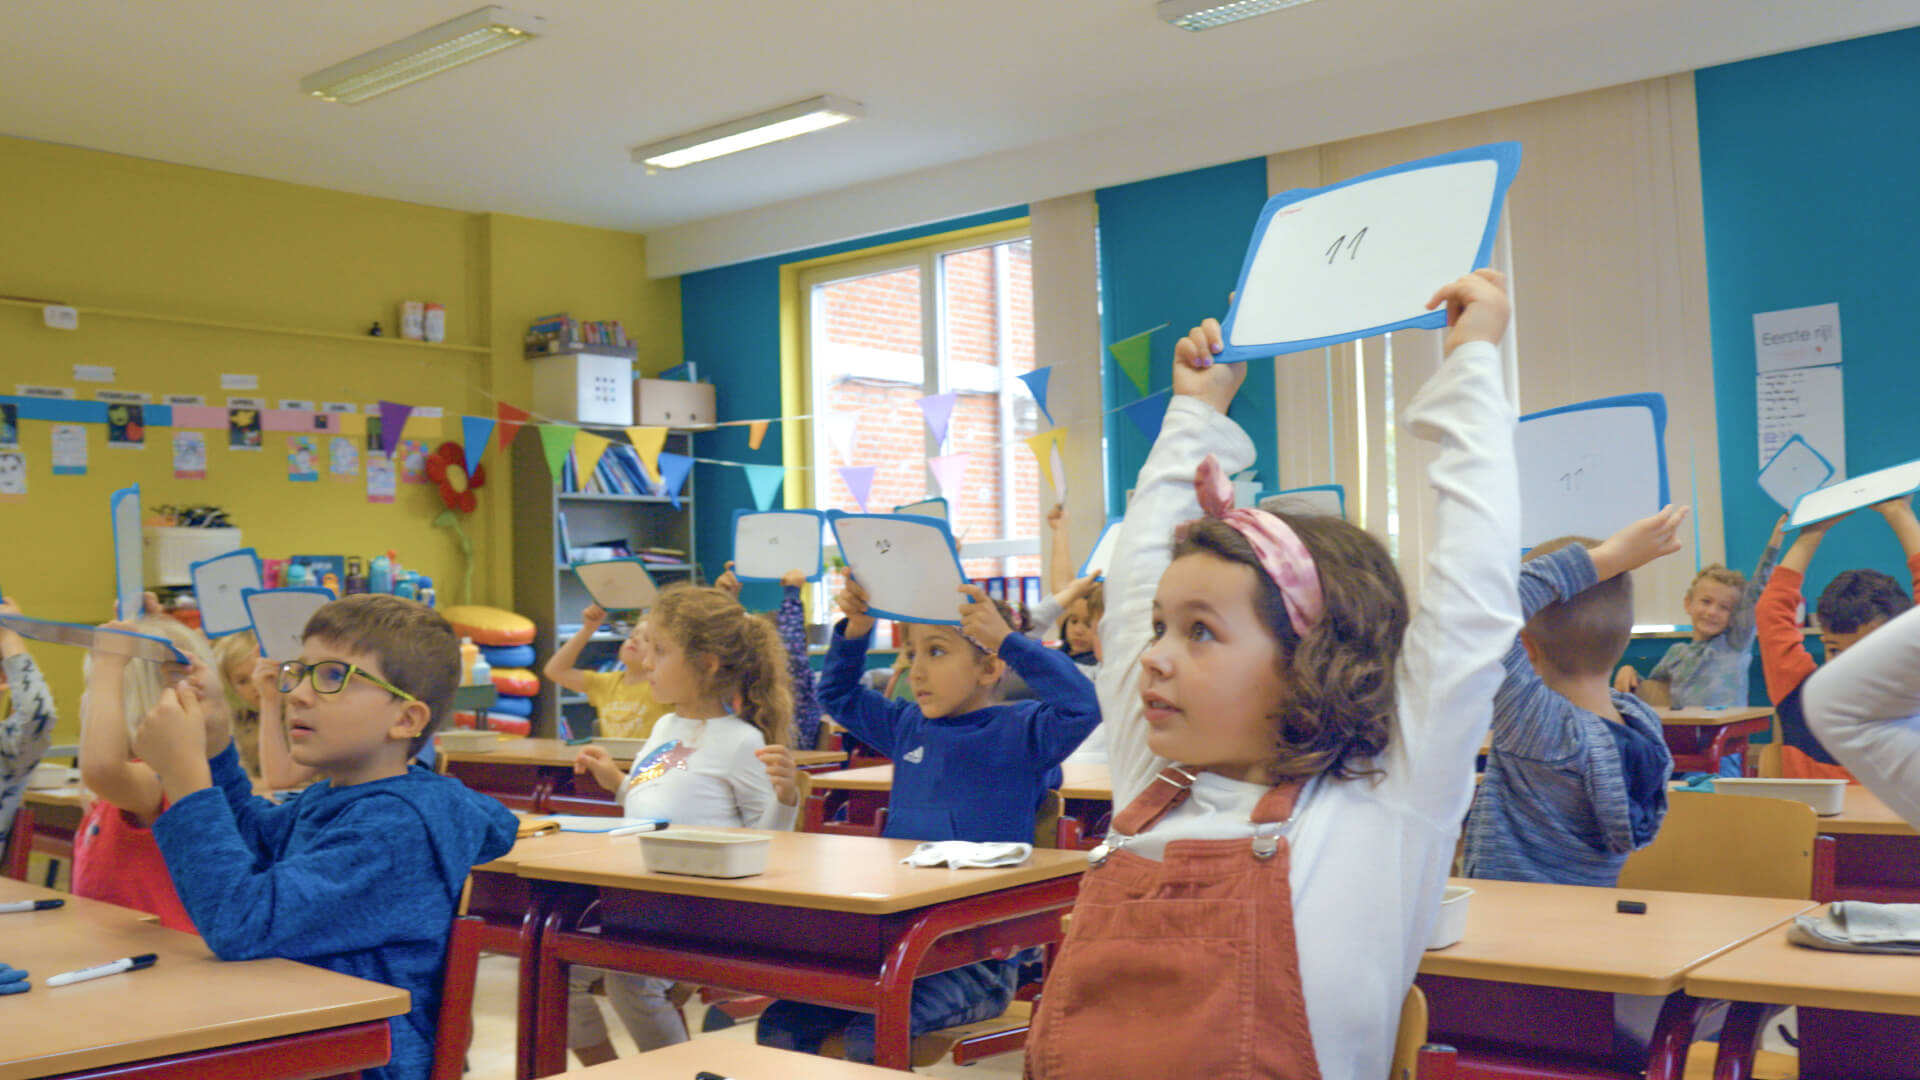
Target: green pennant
(556, 440)
(1134, 355)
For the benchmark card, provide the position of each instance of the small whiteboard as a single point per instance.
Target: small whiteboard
(129, 567)
(618, 584)
(767, 544)
(1320, 500)
(907, 564)
(1591, 469)
(280, 618)
(1850, 495)
(1793, 470)
(935, 507)
(219, 588)
(1362, 257)
(119, 642)
(1101, 558)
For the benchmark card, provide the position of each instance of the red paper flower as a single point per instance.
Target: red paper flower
(447, 467)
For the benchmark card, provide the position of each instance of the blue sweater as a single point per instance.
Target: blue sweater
(363, 880)
(974, 776)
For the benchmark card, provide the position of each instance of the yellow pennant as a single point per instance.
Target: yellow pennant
(648, 441)
(587, 448)
(1049, 449)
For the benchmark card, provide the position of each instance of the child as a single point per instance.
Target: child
(238, 654)
(1865, 706)
(791, 622)
(1853, 605)
(964, 768)
(622, 700)
(278, 770)
(706, 763)
(1320, 782)
(27, 729)
(362, 872)
(1710, 671)
(115, 857)
(1075, 603)
(1577, 778)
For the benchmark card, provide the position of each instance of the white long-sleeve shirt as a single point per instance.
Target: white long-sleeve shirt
(1864, 707)
(1369, 856)
(704, 772)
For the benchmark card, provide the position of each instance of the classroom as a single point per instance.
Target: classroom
(836, 535)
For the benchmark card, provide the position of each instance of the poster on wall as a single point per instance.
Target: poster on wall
(410, 461)
(380, 480)
(189, 455)
(127, 426)
(9, 425)
(13, 476)
(1808, 402)
(303, 459)
(343, 458)
(69, 449)
(1796, 338)
(243, 424)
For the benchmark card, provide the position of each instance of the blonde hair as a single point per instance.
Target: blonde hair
(144, 683)
(229, 650)
(750, 662)
(1719, 575)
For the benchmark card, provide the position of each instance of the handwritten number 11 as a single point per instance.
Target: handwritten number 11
(1353, 248)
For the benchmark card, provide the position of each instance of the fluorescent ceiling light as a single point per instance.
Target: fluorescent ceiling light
(815, 114)
(1200, 15)
(479, 33)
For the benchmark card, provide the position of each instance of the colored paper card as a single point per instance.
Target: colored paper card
(1320, 500)
(202, 417)
(1135, 356)
(756, 434)
(1100, 559)
(243, 428)
(1593, 468)
(1850, 495)
(938, 411)
(1148, 414)
(61, 411)
(382, 484)
(587, 448)
(279, 617)
(933, 508)
(843, 430)
(474, 433)
(411, 461)
(908, 565)
(1363, 256)
(555, 441)
(859, 481)
(950, 472)
(1796, 338)
(618, 584)
(648, 442)
(189, 455)
(129, 566)
(99, 638)
(512, 419)
(126, 425)
(1796, 468)
(674, 469)
(69, 449)
(767, 545)
(9, 425)
(1036, 381)
(1046, 448)
(13, 476)
(765, 481)
(393, 420)
(220, 585)
(303, 459)
(343, 457)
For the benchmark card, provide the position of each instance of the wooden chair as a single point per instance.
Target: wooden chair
(453, 1033)
(1414, 1058)
(1046, 822)
(1735, 845)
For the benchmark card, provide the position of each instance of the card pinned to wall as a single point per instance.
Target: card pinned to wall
(618, 584)
(189, 455)
(1101, 557)
(381, 484)
(69, 449)
(303, 459)
(1846, 496)
(127, 425)
(1592, 468)
(243, 428)
(1362, 257)
(767, 545)
(13, 476)
(279, 618)
(129, 565)
(119, 642)
(1795, 469)
(343, 457)
(934, 508)
(1319, 500)
(220, 585)
(908, 565)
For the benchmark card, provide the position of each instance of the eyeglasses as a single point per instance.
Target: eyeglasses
(330, 677)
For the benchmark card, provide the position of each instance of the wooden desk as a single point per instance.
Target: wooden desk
(536, 775)
(1534, 978)
(1876, 854)
(46, 822)
(835, 920)
(1859, 1014)
(864, 791)
(733, 1058)
(189, 1015)
(1699, 738)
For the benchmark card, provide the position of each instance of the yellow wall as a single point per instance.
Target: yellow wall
(99, 230)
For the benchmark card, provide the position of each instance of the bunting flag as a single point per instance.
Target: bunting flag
(765, 482)
(951, 474)
(647, 442)
(756, 434)
(1147, 414)
(512, 419)
(555, 441)
(474, 433)
(1135, 357)
(859, 479)
(842, 430)
(1053, 467)
(393, 417)
(587, 448)
(673, 474)
(938, 410)
(1036, 381)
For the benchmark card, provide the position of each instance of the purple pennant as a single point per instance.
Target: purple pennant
(859, 480)
(673, 474)
(938, 409)
(393, 417)
(1036, 381)
(1147, 414)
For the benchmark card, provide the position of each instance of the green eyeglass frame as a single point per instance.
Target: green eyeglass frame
(334, 673)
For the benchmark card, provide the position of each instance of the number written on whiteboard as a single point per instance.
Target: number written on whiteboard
(1351, 244)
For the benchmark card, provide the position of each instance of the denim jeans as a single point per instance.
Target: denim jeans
(962, 996)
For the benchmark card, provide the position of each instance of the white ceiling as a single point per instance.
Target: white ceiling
(971, 104)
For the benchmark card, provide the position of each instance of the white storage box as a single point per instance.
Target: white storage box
(1827, 797)
(585, 387)
(171, 551)
(674, 403)
(624, 749)
(705, 854)
(1451, 926)
(468, 742)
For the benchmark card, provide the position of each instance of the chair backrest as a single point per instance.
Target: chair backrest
(454, 1029)
(1729, 845)
(1412, 1036)
(804, 782)
(1046, 823)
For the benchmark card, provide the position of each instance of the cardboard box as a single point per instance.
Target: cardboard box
(674, 403)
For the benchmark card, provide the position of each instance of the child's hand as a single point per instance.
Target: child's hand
(592, 617)
(218, 718)
(782, 771)
(1477, 308)
(980, 620)
(1057, 516)
(265, 679)
(793, 579)
(1639, 543)
(589, 757)
(100, 656)
(172, 733)
(1779, 530)
(150, 604)
(1626, 679)
(728, 582)
(1080, 588)
(853, 603)
(1195, 374)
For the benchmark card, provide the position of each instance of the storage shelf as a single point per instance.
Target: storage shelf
(251, 328)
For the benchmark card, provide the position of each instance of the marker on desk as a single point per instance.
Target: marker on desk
(31, 905)
(705, 1075)
(115, 967)
(646, 826)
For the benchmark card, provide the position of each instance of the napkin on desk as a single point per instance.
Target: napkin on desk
(1857, 926)
(963, 855)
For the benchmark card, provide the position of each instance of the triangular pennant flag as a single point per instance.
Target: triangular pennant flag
(938, 409)
(673, 474)
(512, 419)
(756, 434)
(1147, 414)
(474, 432)
(587, 448)
(647, 442)
(765, 482)
(951, 474)
(859, 480)
(555, 441)
(1135, 355)
(1036, 381)
(842, 430)
(393, 417)
(1046, 449)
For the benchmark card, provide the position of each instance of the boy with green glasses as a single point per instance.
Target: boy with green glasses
(362, 872)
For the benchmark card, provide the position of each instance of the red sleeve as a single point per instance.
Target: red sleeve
(1784, 658)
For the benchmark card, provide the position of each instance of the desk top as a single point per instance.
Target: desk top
(96, 911)
(555, 752)
(1570, 936)
(1712, 717)
(546, 846)
(187, 1001)
(735, 1058)
(66, 795)
(858, 874)
(1082, 781)
(1770, 971)
(1865, 813)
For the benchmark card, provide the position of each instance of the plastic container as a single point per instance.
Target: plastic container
(413, 315)
(624, 749)
(706, 854)
(1827, 797)
(467, 742)
(1451, 926)
(469, 652)
(481, 672)
(436, 322)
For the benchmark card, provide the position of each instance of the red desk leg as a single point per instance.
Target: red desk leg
(1739, 1041)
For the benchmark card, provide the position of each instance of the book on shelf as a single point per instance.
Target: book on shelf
(618, 473)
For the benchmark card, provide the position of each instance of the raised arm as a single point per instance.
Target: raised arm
(560, 667)
(1067, 708)
(1060, 557)
(1864, 707)
(1784, 659)
(27, 729)
(1898, 514)
(1742, 627)
(107, 767)
(792, 623)
(843, 692)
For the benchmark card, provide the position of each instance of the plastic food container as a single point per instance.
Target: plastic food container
(1827, 797)
(468, 742)
(49, 775)
(705, 854)
(625, 749)
(1451, 926)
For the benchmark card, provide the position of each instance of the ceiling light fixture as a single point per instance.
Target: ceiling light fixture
(1197, 15)
(800, 118)
(478, 33)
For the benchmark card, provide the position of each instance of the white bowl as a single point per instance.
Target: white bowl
(705, 854)
(1827, 797)
(468, 742)
(1451, 925)
(624, 749)
(49, 775)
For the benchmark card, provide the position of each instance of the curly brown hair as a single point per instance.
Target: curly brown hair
(1341, 699)
(750, 661)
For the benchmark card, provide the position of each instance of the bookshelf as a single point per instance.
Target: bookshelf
(545, 588)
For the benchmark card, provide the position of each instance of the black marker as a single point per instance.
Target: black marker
(705, 1075)
(31, 905)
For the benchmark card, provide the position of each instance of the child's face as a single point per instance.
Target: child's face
(1710, 606)
(635, 652)
(947, 674)
(240, 677)
(348, 735)
(1210, 681)
(1836, 643)
(677, 680)
(1078, 629)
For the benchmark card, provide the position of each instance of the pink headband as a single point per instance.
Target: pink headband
(1285, 559)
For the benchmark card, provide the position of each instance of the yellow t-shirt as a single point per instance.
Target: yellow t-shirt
(627, 710)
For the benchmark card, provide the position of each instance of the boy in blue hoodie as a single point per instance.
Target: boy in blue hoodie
(362, 872)
(964, 768)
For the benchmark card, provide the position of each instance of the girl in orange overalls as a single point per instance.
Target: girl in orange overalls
(1291, 778)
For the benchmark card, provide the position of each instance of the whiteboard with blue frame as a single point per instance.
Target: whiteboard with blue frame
(1591, 468)
(908, 564)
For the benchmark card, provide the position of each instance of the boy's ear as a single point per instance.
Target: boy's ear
(411, 722)
(1536, 655)
(992, 671)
